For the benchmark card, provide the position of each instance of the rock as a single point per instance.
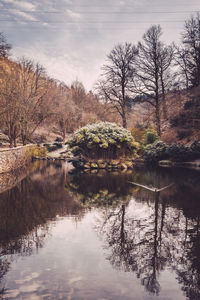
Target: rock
(100, 161)
(102, 164)
(87, 170)
(166, 163)
(87, 165)
(139, 161)
(124, 166)
(129, 164)
(77, 162)
(109, 166)
(94, 165)
(115, 164)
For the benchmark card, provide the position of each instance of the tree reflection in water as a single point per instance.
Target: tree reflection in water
(102, 189)
(25, 212)
(146, 232)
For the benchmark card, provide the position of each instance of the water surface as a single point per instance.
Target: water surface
(97, 236)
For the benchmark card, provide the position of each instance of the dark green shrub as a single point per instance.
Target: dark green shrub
(179, 152)
(174, 122)
(58, 139)
(155, 152)
(53, 147)
(184, 133)
(150, 137)
(195, 147)
(138, 134)
(175, 152)
(57, 145)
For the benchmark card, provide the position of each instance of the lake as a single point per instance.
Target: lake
(96, 236)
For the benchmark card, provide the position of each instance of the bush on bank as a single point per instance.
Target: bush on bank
(144, 136)
(103, 140)
(175, 152)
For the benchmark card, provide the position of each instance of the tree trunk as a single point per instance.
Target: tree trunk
(164, 105)
(14, 137)
(10, 134)
(11, 142)
(64, 134)
(23, 140)
(124, 117)
(15, 142)
(23, 137)
(158, 120)
(157, 107)
(124, 122)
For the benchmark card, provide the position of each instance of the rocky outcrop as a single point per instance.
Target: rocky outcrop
(102, 164)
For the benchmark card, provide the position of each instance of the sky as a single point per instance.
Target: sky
(71, 38)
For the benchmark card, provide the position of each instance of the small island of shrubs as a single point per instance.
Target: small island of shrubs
(104, 145)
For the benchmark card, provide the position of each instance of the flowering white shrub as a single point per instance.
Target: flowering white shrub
(103, 139)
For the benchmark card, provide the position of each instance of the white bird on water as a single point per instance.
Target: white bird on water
(153, 189)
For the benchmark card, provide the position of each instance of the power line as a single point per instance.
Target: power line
(107, 5)
(90, 22)
(103, 12)
(67, 28)
(91, 28)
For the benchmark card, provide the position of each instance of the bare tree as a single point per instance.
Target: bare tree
(78, 93)
(34, 87)
(152, 67)
(181, 61)
(23, 90)
(191, 42)
(165, 59)
(9, 106)
(4, 46)
(67, 113)
(116, 83)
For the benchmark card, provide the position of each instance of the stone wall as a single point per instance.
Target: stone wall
(10, 179)
(14, 158)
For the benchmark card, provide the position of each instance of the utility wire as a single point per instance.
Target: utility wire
(89, 28)
(90, 22)
(101, 12)
(109, 5)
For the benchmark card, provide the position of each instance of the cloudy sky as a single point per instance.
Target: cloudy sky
(71, 38)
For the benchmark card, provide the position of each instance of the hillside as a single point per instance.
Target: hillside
(183, 124)
(36, 108)
(44, 108)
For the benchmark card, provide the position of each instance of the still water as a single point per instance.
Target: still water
(99, 237)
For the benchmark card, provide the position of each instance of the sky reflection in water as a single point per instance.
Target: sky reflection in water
(95, 236)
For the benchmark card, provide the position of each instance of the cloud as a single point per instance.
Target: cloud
(24, 15)
(21, 4)
(63, 66)
(73, 15)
